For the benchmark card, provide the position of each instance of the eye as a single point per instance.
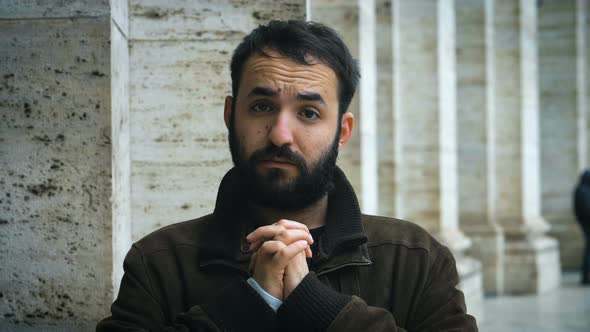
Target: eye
(310, 114)
(262, 108)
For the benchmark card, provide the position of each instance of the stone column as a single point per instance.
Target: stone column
(561, 83)
(368, 105)
(179, 75)
(475, 122)
(532, 259)
(121, 162)
(425, 129)
(55, 165)
(385, 126)
(343, 16)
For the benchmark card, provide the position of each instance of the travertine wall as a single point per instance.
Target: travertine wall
(475, 81)
(560, 155)
(55, 165)
(385, 135)
(531, 258)
(121, 159)
(179, 75)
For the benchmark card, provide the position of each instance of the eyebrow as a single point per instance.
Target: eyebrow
(269, 92)
(311, 96)
(260, 91)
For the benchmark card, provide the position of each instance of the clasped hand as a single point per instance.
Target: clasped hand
(278, 263)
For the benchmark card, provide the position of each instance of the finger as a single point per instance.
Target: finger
(264, 233)
(283, 257)
(270, 248)
(289, 236)
(267, 232)
(290, 224)
(252, 263)
(254, 246)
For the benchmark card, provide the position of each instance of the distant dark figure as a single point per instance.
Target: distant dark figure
(582, 210)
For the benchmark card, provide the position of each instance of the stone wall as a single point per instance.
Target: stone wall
(558, 84)
(55, 165)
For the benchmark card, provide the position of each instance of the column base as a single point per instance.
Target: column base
(468, 268)
(571, 242)
(469, 271)
(489, 249)
(532, 265)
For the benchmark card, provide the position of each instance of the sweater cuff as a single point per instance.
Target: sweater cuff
(238, 307)
(312, 306)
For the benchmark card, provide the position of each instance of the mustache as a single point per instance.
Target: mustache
(284, 152)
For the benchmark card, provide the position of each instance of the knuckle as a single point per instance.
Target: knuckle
(265, 247)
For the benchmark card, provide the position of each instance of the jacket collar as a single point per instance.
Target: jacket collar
(343, 242)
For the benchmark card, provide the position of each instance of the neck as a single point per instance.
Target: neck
(312, 216)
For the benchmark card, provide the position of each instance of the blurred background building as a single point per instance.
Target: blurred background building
(471, 120)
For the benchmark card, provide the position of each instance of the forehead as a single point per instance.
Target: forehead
(285, 75)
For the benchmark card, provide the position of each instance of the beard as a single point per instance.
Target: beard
(273, 189)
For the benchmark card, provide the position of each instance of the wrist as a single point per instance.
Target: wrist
(272, 301)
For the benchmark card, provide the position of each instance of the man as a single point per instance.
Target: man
(286, 247)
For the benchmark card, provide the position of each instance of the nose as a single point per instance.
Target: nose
(281, 130)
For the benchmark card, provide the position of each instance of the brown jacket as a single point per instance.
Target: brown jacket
(368, 274)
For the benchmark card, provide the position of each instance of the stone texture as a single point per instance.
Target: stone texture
(343, 16)
(18, 9)
(226, 20)
(368, 105)
(424, 114)
(532, 259)
(532, 266)
(121, 159)
(55, 172)
(475, 109)
(179, 76)
(564, 309)
(425, 129)
(385, 124)
(120, 15)
(559, 125)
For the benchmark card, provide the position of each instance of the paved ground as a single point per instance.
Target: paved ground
(565, 309)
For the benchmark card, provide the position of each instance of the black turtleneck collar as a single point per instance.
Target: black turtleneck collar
(343, 228)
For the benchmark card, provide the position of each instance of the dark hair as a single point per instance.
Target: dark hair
(299, 40)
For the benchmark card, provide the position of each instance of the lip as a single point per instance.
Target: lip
(276, 163)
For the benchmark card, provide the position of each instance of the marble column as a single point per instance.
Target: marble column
(561, 83)
(120, 157)
(425, 130)
(55, 165)
(532, 259)
(474, 130)
(368, 105)
(385, 126)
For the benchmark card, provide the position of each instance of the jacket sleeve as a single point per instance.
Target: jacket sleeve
(138, 309)
(440, 306)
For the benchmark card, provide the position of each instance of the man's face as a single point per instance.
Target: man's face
(285, 131)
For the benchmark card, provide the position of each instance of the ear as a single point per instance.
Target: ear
(346, 125)
(227, 110)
